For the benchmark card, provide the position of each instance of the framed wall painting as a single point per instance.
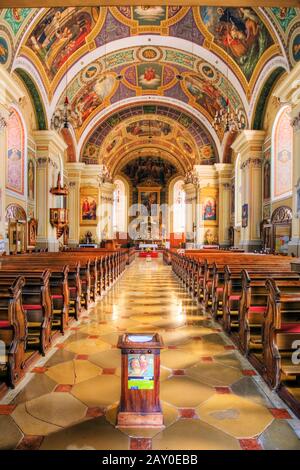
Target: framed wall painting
(88, 206)
(149, 197)
(245, 208)
(15, 154)
(209, 209)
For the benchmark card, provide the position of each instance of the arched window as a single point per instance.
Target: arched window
(179, 207)
(119, 207)
(282, 155)
(15, 153)
(238, 192)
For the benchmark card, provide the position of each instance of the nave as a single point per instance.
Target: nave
(212, 397)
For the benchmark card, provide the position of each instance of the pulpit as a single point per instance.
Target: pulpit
(140, 405)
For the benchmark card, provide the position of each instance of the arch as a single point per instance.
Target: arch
(178, 207)
(262, 101)
(238, 192)
(15, 212)
(282, 155)
(37, 102)
(115, 112)
(120, 206)
(71, 149)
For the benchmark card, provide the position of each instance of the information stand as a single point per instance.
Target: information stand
(140, 404)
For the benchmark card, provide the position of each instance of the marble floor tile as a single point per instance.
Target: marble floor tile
(185, 392)
(279, 436)
(73, 372)
(94, 434)
(190, 434)
(214, 374)
(100, 391)
(10, 434)
(234, 415)
(39, 385)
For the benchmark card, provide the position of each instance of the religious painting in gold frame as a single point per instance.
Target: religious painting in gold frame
(149, 197)
(88, 206)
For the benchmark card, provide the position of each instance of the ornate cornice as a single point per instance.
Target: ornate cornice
(252, 162)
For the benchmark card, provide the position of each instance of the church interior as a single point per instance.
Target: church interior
(149, 226)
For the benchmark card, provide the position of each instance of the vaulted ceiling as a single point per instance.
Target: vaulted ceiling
(179, 63)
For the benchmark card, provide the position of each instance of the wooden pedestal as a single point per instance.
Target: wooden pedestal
(140, 404)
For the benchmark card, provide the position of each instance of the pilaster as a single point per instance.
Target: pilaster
(249, 144)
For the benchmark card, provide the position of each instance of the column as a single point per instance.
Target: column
(106, 198)
(50, 149)
(190, 212)
(249, 144)
(74, 171)
(289, 92)
(224, 171)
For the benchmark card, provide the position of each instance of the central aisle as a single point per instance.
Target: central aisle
(209, 393)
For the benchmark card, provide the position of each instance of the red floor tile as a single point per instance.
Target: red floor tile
(178, 372)
(249, 372)
(207, 359)
(82, 357)
(229, 347)
(140, 443)
(30, 443)
(94, 412)
(280, 413)
(250, 444)
(222, 390)
(172, 347)
(93, 337)
(108, 371)
(39, 370)
(63, 388)
(7, 409)
(188, 413)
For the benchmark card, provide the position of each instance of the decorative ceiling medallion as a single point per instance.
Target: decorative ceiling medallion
(90, 72)
(207, 71)
(149, 54)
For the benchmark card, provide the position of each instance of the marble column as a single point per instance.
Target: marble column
(50, 149)
(224, 171)
(190, 212)
(74, 171)
(289, 93)
(249, 144)
(106, 197)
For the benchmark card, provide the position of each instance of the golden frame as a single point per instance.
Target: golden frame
(91, 194)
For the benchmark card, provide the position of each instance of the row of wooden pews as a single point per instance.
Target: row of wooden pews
(41, 292)
(256, 299)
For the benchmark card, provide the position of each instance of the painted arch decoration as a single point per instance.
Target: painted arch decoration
(142, 125)
(67, 33)
(149, 70)
(15, 154)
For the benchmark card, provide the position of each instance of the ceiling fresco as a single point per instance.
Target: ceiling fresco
(149, 169)
(244, 36)
(212, 54)
(154, 71)
(143, 126)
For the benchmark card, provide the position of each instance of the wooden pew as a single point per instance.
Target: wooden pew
(37, 304)
(253, 306)
(281, 329)
(233, 288)
(13, 330)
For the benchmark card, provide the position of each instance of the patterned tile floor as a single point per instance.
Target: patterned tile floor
(211, 396)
